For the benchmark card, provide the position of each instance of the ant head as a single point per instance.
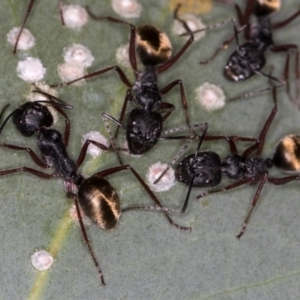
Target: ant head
(265, 7)
(153, 46)
(99, 201)
(143, 130)
(31, 116)
(244, 63)
(287, 154)
(205, 167)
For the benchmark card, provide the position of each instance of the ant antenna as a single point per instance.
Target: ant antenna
(53, 100)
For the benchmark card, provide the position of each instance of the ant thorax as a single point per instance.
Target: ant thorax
(261, 34)
(51, 146)
(146, 93)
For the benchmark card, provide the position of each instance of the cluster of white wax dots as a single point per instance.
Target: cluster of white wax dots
(42, 260)
(77, 57)
(97, 137)
(193, 22)
(210, 96)
(166, 182)
(127, 8)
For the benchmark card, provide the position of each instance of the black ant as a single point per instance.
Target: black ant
(249, 58)
(145, 123)
(205, 168)
(97, 198)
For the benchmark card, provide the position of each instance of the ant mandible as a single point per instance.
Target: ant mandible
(97, 198)
(249, 58)
(144, 124)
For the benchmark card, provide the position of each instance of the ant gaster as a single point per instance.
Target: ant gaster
(145, 123)
(97, 198)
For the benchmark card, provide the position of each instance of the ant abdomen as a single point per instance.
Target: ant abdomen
(153, 45)
(287, 154)
(100, 202)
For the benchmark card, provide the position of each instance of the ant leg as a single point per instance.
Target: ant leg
(28, 170)
(167, 88)
(105, 119)
(226, 188)
(258, 146)
(85, 236)
(146, 188)
(267, 124)
(41, 163)
(288, 48)
(283, 180)
(61, 14)
(128, 97)
(172, 60)
(243, 18)
(224, 45)
(132, 57)
(121, 74)
(29, 8)
(84, 148)
(264, 178)
(286, 21)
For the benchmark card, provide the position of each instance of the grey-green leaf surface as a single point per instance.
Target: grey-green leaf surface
(145, 257)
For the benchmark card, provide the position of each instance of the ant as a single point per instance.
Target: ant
(145, 123)
(249, 58)
(96, 197)
(205, 168)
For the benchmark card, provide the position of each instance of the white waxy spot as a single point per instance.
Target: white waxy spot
(26, 40)
(74, 216)
(127, 8)
(42, 260)
(71, 71)
(210, 96)
(78, 53)
(97, 137)
(165, 183)
(38, 97)
(193, 22)
(31, 69)
(122, 56)
(75, 16)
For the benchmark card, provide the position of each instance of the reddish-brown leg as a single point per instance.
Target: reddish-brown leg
(111, 171)
(121, 74)
(132, 56)
(29, 8)
(172, 60)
